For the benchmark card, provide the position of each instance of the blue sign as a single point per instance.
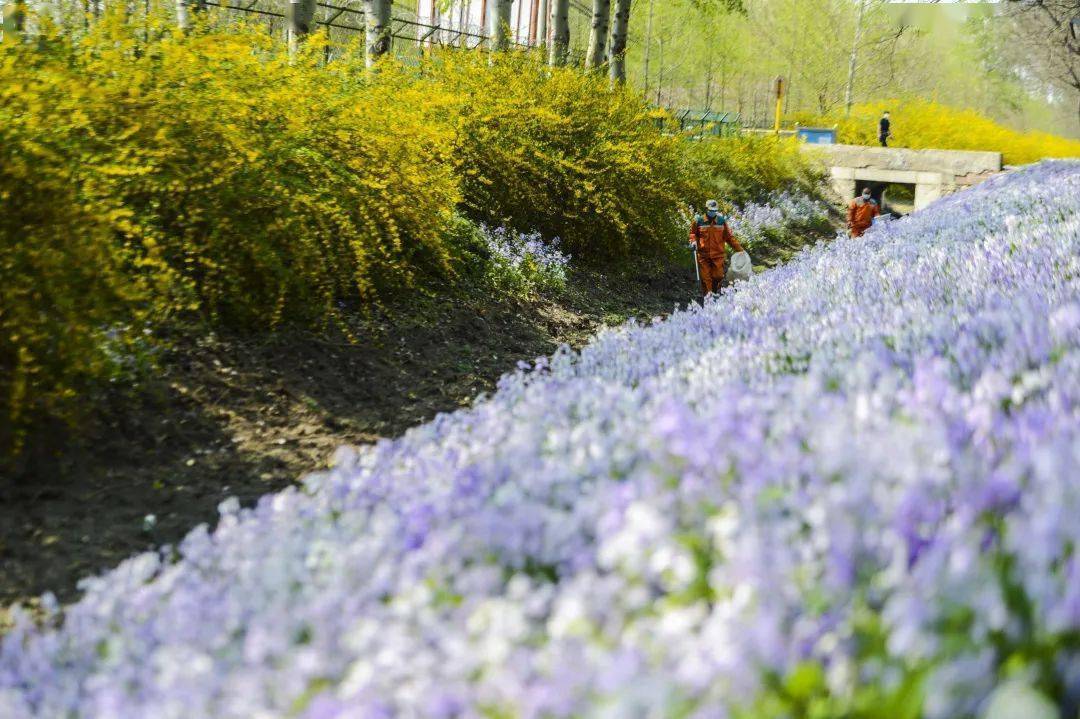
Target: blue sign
(817, 135)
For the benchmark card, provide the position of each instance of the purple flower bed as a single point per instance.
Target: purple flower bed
(753, 222)
(847, 488)
(527, 257)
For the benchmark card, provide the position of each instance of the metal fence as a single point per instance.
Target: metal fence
(700, 123)
(407, 27)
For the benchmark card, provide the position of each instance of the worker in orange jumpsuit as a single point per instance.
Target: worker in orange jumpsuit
(861, 213)
(710, 237)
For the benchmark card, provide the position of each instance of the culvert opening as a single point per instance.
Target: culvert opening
(894, 198)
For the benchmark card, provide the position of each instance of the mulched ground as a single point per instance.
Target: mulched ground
(243, 416)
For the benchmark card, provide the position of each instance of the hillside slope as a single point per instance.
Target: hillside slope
(844, 489)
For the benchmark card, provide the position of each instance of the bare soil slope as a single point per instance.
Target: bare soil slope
(243, 416)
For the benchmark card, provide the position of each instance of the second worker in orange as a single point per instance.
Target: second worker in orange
(861, 213)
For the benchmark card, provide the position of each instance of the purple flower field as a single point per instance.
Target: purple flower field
(753, 221)
(528, 257)
(850, 487)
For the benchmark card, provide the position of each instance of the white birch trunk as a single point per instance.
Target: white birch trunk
(853, 60)
(601, 14)
(377, 30)
(183, 21)
(620, 27)
(500, 25)
(299, 16)
(186, 12)
(463, 18)
(560, 38)
(542, 27)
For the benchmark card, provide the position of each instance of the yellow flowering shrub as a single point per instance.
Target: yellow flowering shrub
(272, 188)
(67, 292)
(198, 177)
(557, 151)
(148, 177)
(748, 168)
(923, 124)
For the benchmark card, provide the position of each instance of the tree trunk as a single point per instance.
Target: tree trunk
(723, 86)
(619, 31)
(377, 30)
(182, 20)
(849, 93)
(14, 20)
(534, 17)
(648, 47)
(299, 15)
(185, 11)
(601, 13)
(796, 35)
(560, 38)
(708, 85)
(542, 22)
(660, 80)
(463, 22)
(500, 21)
(517, 22)
(433, 21)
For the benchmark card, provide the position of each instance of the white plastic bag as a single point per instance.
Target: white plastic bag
(740, 267)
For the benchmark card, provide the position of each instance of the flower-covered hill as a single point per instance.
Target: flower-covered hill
(845, 489)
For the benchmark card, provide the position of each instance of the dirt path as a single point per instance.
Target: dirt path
(246, 416)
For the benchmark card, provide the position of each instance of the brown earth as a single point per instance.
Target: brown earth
(242, 416)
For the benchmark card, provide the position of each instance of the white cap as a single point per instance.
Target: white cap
(712, 205)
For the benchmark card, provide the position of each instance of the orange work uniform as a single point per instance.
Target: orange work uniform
(860, 215)
(711, 238)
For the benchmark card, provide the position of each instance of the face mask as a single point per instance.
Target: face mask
(865, 198)
(711, 214)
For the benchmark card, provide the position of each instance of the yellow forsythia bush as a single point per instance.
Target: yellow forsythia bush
(272, 189)
(748, 168)
(148, 177)
(557, 151)
(68, 293)
(203, 176)
(922, 124)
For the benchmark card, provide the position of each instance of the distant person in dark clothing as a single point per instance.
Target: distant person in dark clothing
(883, 129)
